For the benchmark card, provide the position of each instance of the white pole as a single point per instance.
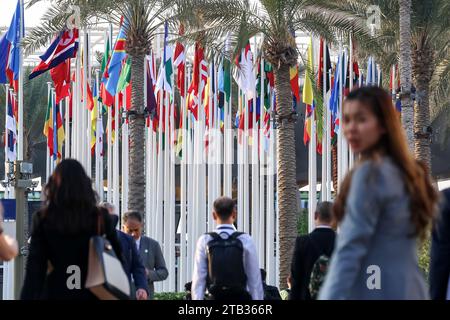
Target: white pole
(270, 225)
(182, 258)
(209, 132)
(88, 113)
(325, 132)
(124, 188)
(255, 214)
(47, 154)
(344, 141)
(350, 152)
(312, 166)
(84, 109)
(246, 169)
(240, 193)
(20, 141)
(262, 153)
(329, 149)
(172, 202)
(339, 137)
(116, 173)
(6, 142)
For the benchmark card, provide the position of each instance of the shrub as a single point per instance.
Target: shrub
(169, 295)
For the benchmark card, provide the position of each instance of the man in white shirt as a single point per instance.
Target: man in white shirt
(241, 267)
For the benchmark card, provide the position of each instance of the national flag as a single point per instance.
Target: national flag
(48, 125)
(293, 75)
(115, 63)
(151, 106)
(200, 75)
(308, 96)
(10, 48)
(105, 96)
(125, 76)
(164, 81)
(224, 82)
(60, 135)
(94, 117)
(63, 47)
(11, 128)
(179, 62)
(61, 79)
(244, 76)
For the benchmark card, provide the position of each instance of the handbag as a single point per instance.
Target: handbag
(106, 278)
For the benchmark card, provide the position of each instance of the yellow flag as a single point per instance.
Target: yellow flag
(307, 86)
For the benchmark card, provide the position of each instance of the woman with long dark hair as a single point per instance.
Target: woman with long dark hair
(385, 204)
(58, 256)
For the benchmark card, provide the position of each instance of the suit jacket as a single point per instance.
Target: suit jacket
(440, 252)
(375, 257)
(308, 249)
(153, 259)
(132, 263)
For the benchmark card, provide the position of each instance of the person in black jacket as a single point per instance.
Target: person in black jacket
(440, 253)
(57, 263)
(132, 262)
(270, 292)
(309, 248)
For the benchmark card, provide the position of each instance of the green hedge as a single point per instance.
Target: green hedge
(169, 296)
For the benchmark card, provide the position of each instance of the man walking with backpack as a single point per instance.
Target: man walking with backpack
(311, 254)
(226, 262)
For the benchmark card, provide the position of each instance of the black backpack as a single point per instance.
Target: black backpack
(226, 274)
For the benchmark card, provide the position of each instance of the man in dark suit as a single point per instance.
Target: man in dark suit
(149, 250)
(132, 262)
(440, 253)
(309, 248)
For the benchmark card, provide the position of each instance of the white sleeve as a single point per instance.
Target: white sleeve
(200, 270)
(251, 267)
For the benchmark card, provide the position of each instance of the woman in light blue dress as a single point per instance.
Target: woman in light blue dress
(384, 206)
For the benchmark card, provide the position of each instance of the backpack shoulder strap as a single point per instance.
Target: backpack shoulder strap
(214, 235)
(236, 234)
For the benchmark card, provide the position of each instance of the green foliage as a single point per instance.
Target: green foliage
(302, 222)
(169, 296)
(424, 256)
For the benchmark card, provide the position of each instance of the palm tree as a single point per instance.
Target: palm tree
(406, 68)
(430, 68)
(143, 18)
(276, 21)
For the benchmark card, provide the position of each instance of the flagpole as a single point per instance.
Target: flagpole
(329, 149)
(208, 131)
(271, 222)
(87, 112)
(190, 188)
(84, 121)
(312, 184)
(260, 135)
(148, 164)
(345, 153)
(350, 152)
(6, 140)
(182, 257)
(240, 193)
(339, 137)
(116, 173)
(124, 176)
(48, 157)
(20, 144)
(109, 156)
(325, 133)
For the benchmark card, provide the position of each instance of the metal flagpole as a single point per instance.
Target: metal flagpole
(255, 169)
(88, 113)
(262, 153)
(270, 225)
(116, 173)
(7, 189)
(20, 141)
(312, 165)
(325, 132)
(124, 189)
(350, 77)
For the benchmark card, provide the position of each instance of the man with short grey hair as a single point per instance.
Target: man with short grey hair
(149, 250)
(133, 264)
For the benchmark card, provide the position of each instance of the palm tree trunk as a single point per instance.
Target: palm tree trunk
(136, 182)
(334, 167)
(406, 69)
(286, 182)
(422, 62)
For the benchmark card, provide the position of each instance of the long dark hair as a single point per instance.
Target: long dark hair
(70, 201)
(394, 143)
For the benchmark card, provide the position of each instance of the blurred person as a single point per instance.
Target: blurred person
(440, 253)
(270, 292)
(307, 251)
(132, 262)
(385, 204)
(149, 250)
(225, 262)
(8, 246)
(61, 231)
